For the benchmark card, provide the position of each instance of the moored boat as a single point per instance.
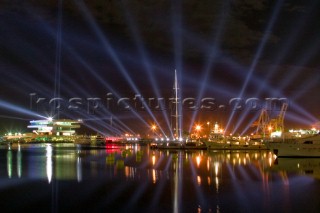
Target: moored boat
(98, 139)
(217, 141)
(83, 140)
(296, 147)
(184, 145)
(90, 140)
(235, 145)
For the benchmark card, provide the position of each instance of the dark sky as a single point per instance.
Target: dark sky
(220, 49)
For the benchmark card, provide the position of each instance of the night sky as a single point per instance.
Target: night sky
(76, 50)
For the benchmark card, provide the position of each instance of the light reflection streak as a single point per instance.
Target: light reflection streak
(231, 171)
(19, 161)
(9, 163)
(158, 162)
(217, 184)
(243, 172)
(216, 168)
(79, 169)
(284, 177)
(270, 160)
(49, 165)
(138, 194)
(154, 176)
(161, 184)
(198, 160)
(153, 160)
(199, 180)
(219, 163)
(176, 190)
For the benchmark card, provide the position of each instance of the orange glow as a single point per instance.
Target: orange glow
(153, 127)
(153, 160)
(199, 180)
(198, 159)
(198, 128)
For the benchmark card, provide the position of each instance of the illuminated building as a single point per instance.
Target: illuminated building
(61, 127)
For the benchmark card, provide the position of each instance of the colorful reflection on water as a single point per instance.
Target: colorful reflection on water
(65, 177)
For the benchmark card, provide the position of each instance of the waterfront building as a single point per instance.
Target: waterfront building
(60, 127)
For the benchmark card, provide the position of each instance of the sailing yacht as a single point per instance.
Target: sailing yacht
(177, 142)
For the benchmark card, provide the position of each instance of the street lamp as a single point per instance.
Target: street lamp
(198, 129)
(153, 127)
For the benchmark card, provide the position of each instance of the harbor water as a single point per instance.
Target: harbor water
(133, 178)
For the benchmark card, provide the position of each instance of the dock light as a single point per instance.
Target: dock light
(50, 118)
(153, 127)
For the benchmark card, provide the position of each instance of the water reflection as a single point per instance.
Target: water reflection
(62, 162)
(184, 180)
(49, 162)
(9, 163)
(79, 169)
(19, 162)
(301, 166)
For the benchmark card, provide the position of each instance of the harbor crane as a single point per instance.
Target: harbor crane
(265, 125)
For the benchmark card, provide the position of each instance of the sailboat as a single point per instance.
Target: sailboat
(177, 142)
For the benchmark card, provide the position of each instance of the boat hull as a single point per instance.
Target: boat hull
(296, 147)
(282, 149)
(177, 145)
(230, 146)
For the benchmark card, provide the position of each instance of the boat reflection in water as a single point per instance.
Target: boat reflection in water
(301, 166)
(138, 179)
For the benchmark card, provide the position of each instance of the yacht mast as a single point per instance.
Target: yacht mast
(176, 101)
